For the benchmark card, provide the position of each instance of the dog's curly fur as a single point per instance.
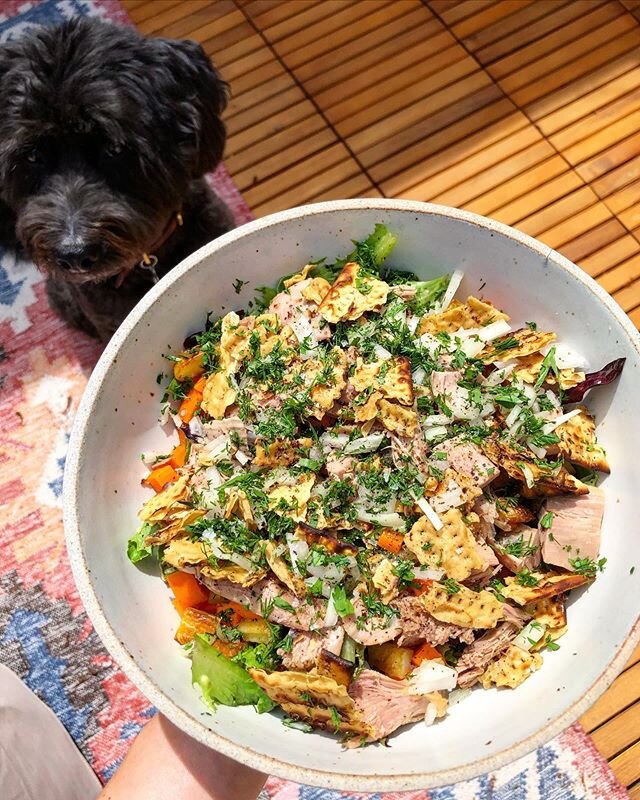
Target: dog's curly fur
(104, 136)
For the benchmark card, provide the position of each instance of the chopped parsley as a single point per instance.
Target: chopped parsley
(526, 578)
(587, 566)
(546, 521)
(450, 586)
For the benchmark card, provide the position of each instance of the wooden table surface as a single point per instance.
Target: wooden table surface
(527, 111)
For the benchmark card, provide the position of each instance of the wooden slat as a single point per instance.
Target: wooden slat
(594, 239)
(441, 71)
(620, 276)
(268, 15)
(404, 158)
(408, 66)
(624, 56)
(519, 208)
(634, 792)
(490, 158)
(278, 26)
(626, 766)
(610, 256)
(459, 92)
(617, 734)
(487, 17)
(592, 111)
(394, 37)
(156, 24)
(622, 694)
(548, 53)
(151, 8)
(195, 25)
(516, 30)
(343, 27)
(266, 148)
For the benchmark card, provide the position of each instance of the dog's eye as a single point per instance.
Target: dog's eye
(33, 157)
(113, 151)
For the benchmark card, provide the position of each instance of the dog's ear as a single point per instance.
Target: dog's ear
(199, 95)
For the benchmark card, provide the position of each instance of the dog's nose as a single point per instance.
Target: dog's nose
(78, 257)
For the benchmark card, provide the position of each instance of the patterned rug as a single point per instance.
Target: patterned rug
(45, 636)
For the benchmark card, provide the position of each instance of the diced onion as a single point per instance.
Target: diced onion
(436, 419)
(530, 392)
(472, 347)
(457, 695)
(387, 519)
(429, 342)
(566, 357)
(214, 478)
(428, 573)
(331, 616)
(454, 283)
(487, 333)
(430, 514)
(243, 458)
(564, 418)
(531, 634)
(214, 544)
(430, 714)
(419, 375)
(298, 550)
(334, 440)
(528, 475)
(196, 428)
(431, 676)
(540, 452)
(366, 444)
(553, 398)
(499, 375)
(150, 459)
(305, 333)
(434, 431)
(512, 416)
(494, 330)
(381, 352)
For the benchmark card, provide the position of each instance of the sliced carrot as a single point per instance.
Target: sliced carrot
(187, 591)
(158, 478)
(391, 541)
(200, 384)
(189, 367)
(423, 653)
(190, 405)
(240, 610)
(419, 586)
(192, 621)
(179, 453)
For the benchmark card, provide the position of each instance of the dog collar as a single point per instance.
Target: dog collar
(149, 260)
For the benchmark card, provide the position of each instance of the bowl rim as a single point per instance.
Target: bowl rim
(195, 727)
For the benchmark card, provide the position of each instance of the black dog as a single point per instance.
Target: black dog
(104, 139)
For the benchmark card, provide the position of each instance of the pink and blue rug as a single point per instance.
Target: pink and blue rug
(45, 636)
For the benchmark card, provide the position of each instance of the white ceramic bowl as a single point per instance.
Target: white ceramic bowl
(116, 421)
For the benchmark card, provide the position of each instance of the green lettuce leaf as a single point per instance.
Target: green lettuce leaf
(136, 549)
(223, 681)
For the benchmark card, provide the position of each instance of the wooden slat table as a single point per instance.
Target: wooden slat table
(524, 110)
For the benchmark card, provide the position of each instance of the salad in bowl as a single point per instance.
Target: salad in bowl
(380, 497)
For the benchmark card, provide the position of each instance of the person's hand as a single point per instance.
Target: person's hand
(164, 762)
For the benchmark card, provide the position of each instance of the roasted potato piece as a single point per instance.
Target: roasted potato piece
(332, 666)
(255, 630)
(189, 368)
(195, 621)
(390, 659)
